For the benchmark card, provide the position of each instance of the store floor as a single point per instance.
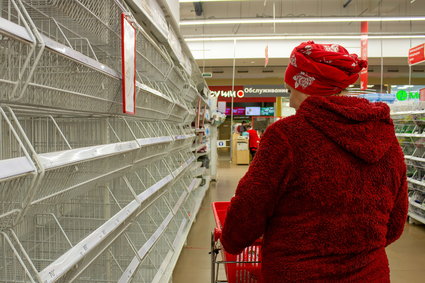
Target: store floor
(407, 255)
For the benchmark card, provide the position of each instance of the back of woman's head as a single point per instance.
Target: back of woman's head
(322, 69)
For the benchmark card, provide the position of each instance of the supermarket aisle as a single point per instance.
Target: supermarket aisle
(194, 262)
(407, 256)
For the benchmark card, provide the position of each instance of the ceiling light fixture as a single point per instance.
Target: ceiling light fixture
(307, 37)
(191, 1)
(299, 20)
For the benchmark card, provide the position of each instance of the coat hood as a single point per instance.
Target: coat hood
(360, 127)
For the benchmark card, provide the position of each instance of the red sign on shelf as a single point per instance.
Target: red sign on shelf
(417, 54)
(422, 94)
(266, 53)
(363, 55)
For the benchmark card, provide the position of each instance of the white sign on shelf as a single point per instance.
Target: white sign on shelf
(241, 146)
(128, 52)
(221, 143)
(221, 107)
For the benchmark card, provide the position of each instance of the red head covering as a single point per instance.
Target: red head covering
(322, 69)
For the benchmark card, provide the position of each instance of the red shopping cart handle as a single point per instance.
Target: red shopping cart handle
(217, 234)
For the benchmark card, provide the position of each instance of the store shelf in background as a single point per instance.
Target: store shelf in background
(16, 167)
(179, 244)
(196, 148)
(196, 165)
(155, 104)
(413, 181)
(413, 112)
(144, 250)
(102, 235)
(409, 135)
(414, 158)
(198, 154)
(198, 171)
(417, 217)
(183, 137)
(415, 204)
(88, 185)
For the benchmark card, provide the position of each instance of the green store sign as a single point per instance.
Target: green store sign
(406, 95)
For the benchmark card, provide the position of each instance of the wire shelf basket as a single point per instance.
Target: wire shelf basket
(75, 67)
(49, 229)
(176, 80)
(90, 27)
(70, 159)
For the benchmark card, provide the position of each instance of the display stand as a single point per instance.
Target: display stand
(235, 137)
(242, 151)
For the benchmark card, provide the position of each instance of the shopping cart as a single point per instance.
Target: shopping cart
(242, 268)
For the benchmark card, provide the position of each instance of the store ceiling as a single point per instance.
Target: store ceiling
(267, 9)
(255, 62)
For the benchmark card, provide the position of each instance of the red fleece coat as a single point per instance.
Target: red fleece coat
(328, 191)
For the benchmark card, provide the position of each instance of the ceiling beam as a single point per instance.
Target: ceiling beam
(293, 20)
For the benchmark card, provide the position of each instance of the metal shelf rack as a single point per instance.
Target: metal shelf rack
(409, 121)
(86, 192)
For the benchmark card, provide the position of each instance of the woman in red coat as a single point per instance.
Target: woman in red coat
(327, 188)
(254, 140)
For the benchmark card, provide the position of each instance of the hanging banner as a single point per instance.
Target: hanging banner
(416, 54)
(128, 57)
(363, 54)
(422, 94)
(266, 54)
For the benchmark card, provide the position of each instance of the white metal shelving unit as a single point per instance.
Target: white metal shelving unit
(409, 121)
(202, 143)
(88, 194)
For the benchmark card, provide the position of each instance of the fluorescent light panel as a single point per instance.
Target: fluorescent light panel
(300, 20)
(191, 1)
(307, 37)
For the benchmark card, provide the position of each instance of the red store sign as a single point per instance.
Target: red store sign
(364, 46)
(248, 93)
(416, 54)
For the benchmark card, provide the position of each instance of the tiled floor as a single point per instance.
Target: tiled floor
(407, 256)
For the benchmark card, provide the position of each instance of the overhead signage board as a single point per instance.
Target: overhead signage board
(253, 111)
(407, 92)
(236, 111)
(267, 111)
(251, 91)
(417, 54)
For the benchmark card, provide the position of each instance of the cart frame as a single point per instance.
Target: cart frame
(216, 247)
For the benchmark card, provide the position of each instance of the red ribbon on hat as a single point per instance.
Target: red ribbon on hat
(322, 69)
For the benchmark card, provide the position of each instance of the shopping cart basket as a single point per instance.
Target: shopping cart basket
(242, 268)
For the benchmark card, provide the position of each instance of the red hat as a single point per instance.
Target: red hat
(322, 69)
